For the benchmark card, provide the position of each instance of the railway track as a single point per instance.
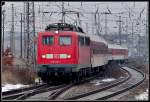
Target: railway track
(124, 87)
(27, 92)
(114, 89)
(106, 92)
(55, 93)
(14, 91)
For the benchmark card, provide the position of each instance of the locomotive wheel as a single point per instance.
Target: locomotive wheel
(66, 78)
(89, 72)
(77, 77)
(43, 77)
(73, 76)
(84, 73)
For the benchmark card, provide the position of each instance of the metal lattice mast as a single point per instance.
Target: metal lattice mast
(106, 23)
(63, 13)
(12, 36)
(30, 33)
(21, 37)
(106, 18)
(3, 13)
(120, 29)
(24, 26)
(147, 37)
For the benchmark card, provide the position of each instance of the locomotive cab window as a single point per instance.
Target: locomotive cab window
(48, 40)
(65, 40)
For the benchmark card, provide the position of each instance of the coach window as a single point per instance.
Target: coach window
(48, 40)
(81, 40)
(65, 40)
(87, 41)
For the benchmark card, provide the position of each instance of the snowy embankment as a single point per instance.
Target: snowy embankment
(98, 82)
(8, 87)
(143, 96)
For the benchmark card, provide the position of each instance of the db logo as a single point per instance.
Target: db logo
(56, 55)
(55, 62)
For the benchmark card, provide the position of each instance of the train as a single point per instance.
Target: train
(65, 50)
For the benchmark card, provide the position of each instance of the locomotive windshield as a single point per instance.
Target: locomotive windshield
(65, 40)
(48, 40)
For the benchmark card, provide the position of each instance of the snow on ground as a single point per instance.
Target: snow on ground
(108, 79)
(8, 87)
(98, 82)
(143, 96)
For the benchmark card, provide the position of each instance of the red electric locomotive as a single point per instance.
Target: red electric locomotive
(65, 50)
(62, 50)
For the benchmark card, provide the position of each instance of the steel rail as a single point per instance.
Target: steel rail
(126, 89)
(24, 95)
(111, 86)
(16, 93)
(57, 93)
(21, 89)
(54, 95)
(103, 88)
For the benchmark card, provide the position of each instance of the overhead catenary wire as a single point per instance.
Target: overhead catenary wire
(85, 14)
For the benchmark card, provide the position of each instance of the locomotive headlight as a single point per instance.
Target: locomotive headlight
(56, 32)
(68, 56)
(43, 56)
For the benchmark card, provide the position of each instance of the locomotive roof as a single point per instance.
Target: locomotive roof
(115, 46)
(70, 27)
(98, 38)
(94, 37)
(63, 27)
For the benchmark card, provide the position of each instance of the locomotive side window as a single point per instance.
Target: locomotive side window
(81, 40)
(48, 40)
(65, 40)
(87, 41)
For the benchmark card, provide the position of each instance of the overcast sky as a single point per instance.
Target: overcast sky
(87, 20)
